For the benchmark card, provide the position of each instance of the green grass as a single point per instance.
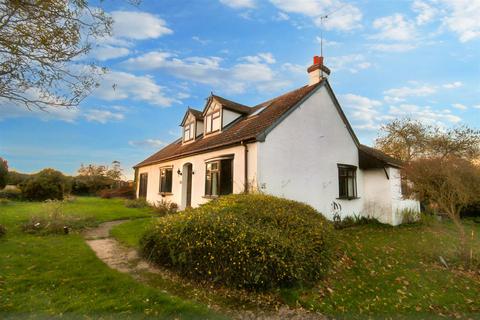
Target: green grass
(385, 272)
(129, 233)
(60, 276)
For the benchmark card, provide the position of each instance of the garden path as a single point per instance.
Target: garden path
(127, 260)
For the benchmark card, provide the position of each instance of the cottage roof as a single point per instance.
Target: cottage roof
(245, 129)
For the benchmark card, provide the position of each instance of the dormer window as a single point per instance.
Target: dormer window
(189, 131)
(212, 122)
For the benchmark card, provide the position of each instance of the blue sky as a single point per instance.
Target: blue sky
(389, 59)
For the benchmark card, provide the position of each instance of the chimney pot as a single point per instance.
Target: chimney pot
(317, 60)
(317, 71)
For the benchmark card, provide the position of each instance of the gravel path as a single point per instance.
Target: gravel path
(127, 260)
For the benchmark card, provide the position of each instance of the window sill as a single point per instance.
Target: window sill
(348, 198)
(210, 197)
(163, 194)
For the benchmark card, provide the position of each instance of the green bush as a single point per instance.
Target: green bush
(352, 221)
(3, 231)
(165, 207)
(410, 216)
(137, 203)
(122, 192)
(11, 193)
(4, 202)
(246, 241)
(47, 184)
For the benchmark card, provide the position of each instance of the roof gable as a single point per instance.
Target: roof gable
(197, 114)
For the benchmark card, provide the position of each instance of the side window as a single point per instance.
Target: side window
(347, 181)
(188, 133)
(166, 175)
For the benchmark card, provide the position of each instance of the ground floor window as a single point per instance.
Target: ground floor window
(166, 175)
(142, 185)
(347, 181)
(219, 177)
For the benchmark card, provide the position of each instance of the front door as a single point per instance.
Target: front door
(187, 185)
(142, 189)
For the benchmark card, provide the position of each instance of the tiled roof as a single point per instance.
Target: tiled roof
(247, 128)
(370, 158)
(232, 105)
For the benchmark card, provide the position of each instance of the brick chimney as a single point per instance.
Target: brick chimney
(317, 71)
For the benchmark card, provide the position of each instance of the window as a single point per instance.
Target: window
(188, 132)
(219, 177)
(347, 180)
(212, 122)
(142, 188)
(166, 180)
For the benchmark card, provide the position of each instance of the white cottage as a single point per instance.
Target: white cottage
(299, 146)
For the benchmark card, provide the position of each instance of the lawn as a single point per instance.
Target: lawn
(383, 272)
(59, 275)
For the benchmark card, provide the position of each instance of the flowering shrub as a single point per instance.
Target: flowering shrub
(246, 241)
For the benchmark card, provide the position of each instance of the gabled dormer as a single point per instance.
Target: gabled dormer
(220, 112)
(192, 125)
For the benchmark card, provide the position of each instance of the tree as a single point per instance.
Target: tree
(462, 142)
(3, 173)
(39, 40)
(408, 140)
(449, 183)
(47, 184)
(403, 139)
(91, 178)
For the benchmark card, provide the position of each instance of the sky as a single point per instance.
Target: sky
(389, 59)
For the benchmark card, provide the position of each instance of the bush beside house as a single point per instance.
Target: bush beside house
(245, 241)
(47, 184)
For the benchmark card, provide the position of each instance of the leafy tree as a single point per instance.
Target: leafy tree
(47, 184)
(3, 173)
(407, 140)
(448, 183)
(39, 40)
(404, 139)
(17, 178)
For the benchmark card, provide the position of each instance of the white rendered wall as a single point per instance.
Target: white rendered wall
(383, 197)
(228, 117)
(299, 157)
(198, 178)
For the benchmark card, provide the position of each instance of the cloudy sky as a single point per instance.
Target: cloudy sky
(389, 59)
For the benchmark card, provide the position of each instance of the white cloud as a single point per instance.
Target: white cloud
(352, 63)
(344, 16)
(200, 40)
(252, 71)
(103, 116)
(266, 57)
(393, 47)
(424, 114)
(459, 106)
(138, 25)
(294, 68)
(399, 94)
(453, 85)
(117, 85)
(425, 11)
(108, 52)
(281, 16)
(327, 43)
(394, 27)
(147, 143)
(239, 4)
(363, 111)
(462, 17)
